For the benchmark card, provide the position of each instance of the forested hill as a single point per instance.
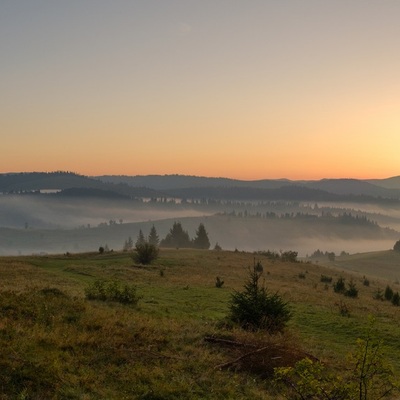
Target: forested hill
(195, 187)
(389, 189)
(167, 182)
(68, 183)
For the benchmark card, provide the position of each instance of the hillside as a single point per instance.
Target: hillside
(389, 183)
(302, 233)
(150, 186)
(59, 181)
(177, 342)
(376, 264)
(206, 186)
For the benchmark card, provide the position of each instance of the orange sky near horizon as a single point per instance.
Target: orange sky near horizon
(246, 90)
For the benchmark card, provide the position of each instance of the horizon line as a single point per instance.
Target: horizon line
(197, 176)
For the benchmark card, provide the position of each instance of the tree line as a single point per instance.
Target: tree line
(177, 237)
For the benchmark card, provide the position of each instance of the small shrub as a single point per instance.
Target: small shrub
(396, 299)
(365, 281)
(309, 380)
(388, 293)
(112, 291)
(326, 279)
(302, 275)
(352, 291)
(339, 286)
(258, 267)
(96, 291)
(369, 377)
(289, 256)
(146, 253)
(218, 282)
(378, 295)
(344, 309)
(217, 247)
(254, 308)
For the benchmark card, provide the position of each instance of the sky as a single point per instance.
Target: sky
(245, 89)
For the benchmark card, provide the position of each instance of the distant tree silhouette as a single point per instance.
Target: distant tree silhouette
(128, 245)
(176, 237)
(396, 246)
(217, 247)
(140, 239)
(201, 240)
(153, 237)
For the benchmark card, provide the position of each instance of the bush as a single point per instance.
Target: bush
(254, 308)
(218, 282)
(396, 246)
(339, 286)
(217, 247)
(352, 291)
(326, 279)
(146, 253)
(344, 309)
(369, 376)
(396, 299)
(289, 256)
(378, 295)
(388, 293)
(112, 291)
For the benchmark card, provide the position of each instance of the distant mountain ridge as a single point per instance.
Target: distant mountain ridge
(30, 182)
(175, 183)
(186, 186)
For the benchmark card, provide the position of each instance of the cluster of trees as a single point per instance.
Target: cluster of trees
(152, 239)
(177, 237)
(320, 254)
(287, 256)
(345, 218)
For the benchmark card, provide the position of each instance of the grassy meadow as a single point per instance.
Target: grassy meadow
(176, 343)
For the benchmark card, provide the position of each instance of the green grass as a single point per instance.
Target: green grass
(381, 264)
(55, 344)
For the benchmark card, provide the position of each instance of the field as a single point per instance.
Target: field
(176, 343)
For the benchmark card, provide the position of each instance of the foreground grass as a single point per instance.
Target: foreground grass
(57, 345)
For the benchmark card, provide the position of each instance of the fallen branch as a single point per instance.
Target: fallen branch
(230, 363)
(211, 339)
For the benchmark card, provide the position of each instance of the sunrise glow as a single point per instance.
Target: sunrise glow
(298, 90)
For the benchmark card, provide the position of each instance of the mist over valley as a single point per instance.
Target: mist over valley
(65, 212)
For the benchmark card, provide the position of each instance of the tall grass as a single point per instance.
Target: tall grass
(56, 344)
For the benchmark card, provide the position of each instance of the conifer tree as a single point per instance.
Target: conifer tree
(128, 244)
(153, 237)
(201, 240)
(176, 237)
(140, 239)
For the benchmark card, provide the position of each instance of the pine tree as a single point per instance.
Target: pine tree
(140, 239)
(128, 244)
(201, 240)
(255, 308)
(176, 237)
(153, 237)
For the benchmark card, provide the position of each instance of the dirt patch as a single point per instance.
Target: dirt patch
(260, 358)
